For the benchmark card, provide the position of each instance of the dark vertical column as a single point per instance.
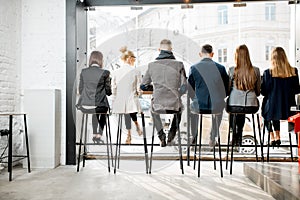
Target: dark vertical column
(297, 35)
(74, 10)
(10, 135)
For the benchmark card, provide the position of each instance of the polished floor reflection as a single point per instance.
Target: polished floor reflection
(281, 180)
(130, 182)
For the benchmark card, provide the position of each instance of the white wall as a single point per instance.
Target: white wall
(10, 77)
(44, 52)
(10, 55)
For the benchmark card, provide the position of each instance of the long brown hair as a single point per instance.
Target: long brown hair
(96, 58)
(280, 66)
(244, 74)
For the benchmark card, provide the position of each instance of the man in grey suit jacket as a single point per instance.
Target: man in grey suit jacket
(169, 83)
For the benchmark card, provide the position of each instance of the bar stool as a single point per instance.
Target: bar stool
(213, 115)
(108, 137)
(10, 141)
(268, 143)
(234, 133)
(118, 143)
(179, 139)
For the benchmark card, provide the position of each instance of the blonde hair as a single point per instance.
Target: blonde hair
(126, 53)
(280, 66)
(166, 44)
(96, 57)
(244, 74)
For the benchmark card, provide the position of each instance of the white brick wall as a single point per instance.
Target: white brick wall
(10, 77)
(10, 55)
(32, 53)
(43, 50)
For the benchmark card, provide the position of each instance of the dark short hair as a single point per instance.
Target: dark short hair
(207, 48)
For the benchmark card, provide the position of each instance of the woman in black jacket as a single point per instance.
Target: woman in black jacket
(279, 85)
(94, 86)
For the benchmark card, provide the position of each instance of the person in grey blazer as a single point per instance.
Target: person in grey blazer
(169, 84)
(94, 87)
(245, 77)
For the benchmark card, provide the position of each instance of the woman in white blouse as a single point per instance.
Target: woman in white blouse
(125, 85)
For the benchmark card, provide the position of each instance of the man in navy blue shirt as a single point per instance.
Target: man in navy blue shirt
(208, 82)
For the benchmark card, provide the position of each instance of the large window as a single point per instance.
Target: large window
(223, 26)
(222, 15)
(268, 52)
(270, 10)
(222, 55)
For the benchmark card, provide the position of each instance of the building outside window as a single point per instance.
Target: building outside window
(268, 51)
(222, 55)
(270, 11)
(222, 15)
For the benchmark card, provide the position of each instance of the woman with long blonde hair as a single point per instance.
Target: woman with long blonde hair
(245, 77)
(125, 83)
(279, 86)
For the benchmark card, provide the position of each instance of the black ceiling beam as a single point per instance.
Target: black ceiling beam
(157, 2)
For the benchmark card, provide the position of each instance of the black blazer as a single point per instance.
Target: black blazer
(94, 85)
(279, 96)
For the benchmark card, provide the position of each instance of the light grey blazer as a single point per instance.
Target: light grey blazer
(169, 83)
(244, 98)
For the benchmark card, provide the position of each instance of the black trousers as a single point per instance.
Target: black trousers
(97, 118)
(127, 117)
(240, 122)
(274, 123)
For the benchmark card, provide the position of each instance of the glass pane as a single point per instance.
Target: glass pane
(142, 29)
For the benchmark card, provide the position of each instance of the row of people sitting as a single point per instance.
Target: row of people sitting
(207, 84)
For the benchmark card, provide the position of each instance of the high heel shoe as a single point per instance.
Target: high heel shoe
(139, 131)
(273, 143)
(128, 139)
(278, 143)
(97, 140)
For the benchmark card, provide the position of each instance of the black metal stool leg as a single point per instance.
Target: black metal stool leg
(196, 143)
(195, 148)
(200, 143)
(291, 146)
(220, 151)
(120, 141)
(107, 144)
(27, 144)
(254, 133)
(214, 152)
(80, 142)
(109, 134)
(151, 154)
(233, 141)
(228, 140)
(268, 149)
(179, 144)
(118, 134)
(145, 142)
(9, 162)
(84, 145)
(188, 132)
(260, 138)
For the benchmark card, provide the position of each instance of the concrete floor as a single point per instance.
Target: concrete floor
(130, 182)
